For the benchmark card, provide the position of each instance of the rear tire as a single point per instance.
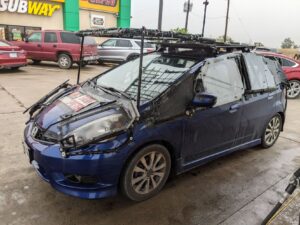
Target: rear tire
(146, 173)
(294, 89)
(64, 61)
(272, 131)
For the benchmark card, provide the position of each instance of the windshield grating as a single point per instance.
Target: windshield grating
(154, 82)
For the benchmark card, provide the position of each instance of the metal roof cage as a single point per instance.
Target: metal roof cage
(192, 45)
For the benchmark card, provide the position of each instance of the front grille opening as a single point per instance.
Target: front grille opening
(77, 179)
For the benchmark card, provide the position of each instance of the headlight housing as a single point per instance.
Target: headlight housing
(98, 129)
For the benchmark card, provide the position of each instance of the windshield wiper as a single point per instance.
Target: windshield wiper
(117, 91)
(41, 102)
(110, 90)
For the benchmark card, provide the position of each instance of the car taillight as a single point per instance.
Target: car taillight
(150, 50)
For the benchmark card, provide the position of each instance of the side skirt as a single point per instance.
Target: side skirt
(190, 165)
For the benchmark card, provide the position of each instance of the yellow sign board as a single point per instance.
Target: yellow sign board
(112, 6)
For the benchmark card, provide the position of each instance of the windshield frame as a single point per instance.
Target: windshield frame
(181, 77)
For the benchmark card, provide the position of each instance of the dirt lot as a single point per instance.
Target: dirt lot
(238, 189)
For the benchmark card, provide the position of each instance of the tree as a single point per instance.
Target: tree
(179, 30)
(287, 43)
(221, 39)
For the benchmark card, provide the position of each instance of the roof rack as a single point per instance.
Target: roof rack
(165, 39)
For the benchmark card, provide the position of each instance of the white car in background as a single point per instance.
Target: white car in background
(120, 50)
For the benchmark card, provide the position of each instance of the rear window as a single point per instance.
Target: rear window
(146, 44)
(4, 44)
(72, 38)
(287, 63)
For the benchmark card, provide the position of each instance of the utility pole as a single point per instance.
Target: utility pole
(227, 18)
(160, 14)
(187, 9)
(204, 17)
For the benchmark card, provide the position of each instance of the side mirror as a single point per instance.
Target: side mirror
(204, 100)
(26, 39)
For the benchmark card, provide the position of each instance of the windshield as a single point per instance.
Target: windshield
(159, 72)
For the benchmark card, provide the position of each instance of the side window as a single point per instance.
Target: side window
(124, 43)
(68, 37)
(35, 37)
(110, 43)
(260, 75)
(221, 77)
(287, 63)
(50, 37)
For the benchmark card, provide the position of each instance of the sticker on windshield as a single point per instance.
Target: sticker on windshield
(77, 101)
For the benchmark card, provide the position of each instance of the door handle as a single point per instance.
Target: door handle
(39, 45)
(234, 108)
(54, 46)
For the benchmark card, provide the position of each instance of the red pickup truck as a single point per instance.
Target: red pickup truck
(62, 47)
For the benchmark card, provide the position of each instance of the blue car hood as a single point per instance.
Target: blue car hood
(83, 107)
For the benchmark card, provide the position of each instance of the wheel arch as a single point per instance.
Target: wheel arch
(163, 143)
(282, 115)
(63, 52)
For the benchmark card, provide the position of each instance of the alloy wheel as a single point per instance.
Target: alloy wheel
(148, 172)
(294, 89)
(64, 61)
(272, 131)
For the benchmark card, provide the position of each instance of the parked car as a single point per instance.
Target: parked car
(266, 49)
(11, 57)
(291, 68)
(91, 139)
(58, 46)
(121, 49)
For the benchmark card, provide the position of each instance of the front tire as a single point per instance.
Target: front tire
(294, 89)
(64, 61)
(146, 173)
(272, 131)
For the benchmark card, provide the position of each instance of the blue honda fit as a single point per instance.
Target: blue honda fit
(91, 140)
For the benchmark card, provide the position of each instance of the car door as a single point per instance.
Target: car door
(106, 50)
(49, 46)
(212, 131)
(33, 47)
(115, 49)
(259, 103)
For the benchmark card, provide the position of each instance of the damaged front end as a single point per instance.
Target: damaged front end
(79, 120)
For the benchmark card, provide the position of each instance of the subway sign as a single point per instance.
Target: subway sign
(40, 8)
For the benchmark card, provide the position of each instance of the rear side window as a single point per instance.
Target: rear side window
(124, 43)
(259, 74)
(50, 37)
(70, 38)
(146, 44)
(287, 63)
(276, 71)
(221, 77)
(35, 37)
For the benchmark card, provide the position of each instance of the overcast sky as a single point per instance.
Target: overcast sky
(266, 21)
